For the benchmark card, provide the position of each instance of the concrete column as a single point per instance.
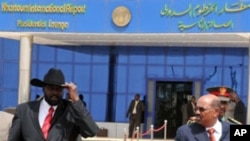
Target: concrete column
(248, 96)
(24, 68)
(197, 89)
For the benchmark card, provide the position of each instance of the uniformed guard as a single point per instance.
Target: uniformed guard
(223, 93)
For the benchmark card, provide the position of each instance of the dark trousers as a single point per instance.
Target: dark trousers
(133, 123)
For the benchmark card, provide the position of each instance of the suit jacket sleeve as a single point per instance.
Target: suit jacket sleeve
(15, 130)
(180, 135)
(88, 127)
(130, 108)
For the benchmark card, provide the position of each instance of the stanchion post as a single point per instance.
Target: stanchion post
(125, 134)
(152, 132)
(165, 130)
(137, 133)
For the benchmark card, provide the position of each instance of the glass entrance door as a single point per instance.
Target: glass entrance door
(169, 96)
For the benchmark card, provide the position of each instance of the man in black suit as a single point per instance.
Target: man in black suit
(66, 119)
(240, 108)
(190, 107)
(134, 113)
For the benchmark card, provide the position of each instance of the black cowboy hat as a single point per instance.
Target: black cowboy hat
(52, 77)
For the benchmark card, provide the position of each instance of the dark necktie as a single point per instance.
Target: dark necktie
(211, 134)
(47, 123)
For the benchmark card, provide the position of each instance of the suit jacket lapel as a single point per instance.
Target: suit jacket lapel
(34, 113)
(202, 136)
(201, 133)
(133, 104)
(224, 131)
(59, 111)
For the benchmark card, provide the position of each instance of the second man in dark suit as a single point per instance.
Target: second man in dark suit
(134, 113)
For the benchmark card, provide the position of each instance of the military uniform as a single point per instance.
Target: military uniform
(224, 94)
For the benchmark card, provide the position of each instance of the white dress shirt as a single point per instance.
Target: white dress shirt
(43, 111)
(218, 130)
(134, 109)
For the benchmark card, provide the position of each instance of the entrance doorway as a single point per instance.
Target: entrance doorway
(169, 96)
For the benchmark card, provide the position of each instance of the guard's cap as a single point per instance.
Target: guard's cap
(222, 92)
